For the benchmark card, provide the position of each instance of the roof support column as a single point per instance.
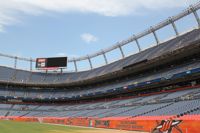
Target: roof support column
(155, 35)
(174, 26)
(89, 59)
(15, 63)
(75, 66)
(104, 56)
(31, 64)
(137, 43)
(121, 50)
(195, 15)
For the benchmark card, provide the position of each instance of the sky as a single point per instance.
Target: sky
(74, 28)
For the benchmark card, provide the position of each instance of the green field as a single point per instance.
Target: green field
(22, 127)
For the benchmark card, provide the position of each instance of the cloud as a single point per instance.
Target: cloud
(88, 38)
(12, 10)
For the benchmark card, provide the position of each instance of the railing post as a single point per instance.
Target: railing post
(121, 50)
(174, 26)
(91, 67)
(155, 35)
(195, 15)
(104, 56)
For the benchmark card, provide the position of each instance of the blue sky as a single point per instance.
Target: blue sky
(43, 28)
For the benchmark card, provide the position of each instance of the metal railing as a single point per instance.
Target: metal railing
(134, 38)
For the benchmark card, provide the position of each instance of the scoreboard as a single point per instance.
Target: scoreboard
(54, 62)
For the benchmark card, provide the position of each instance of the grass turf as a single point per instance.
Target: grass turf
(23, 127)
(27, 127)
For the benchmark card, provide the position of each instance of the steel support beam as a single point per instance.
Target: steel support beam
(31, 64)
(89, 59)
(15, 62)
(121, 51)
(174, 26)
(155, 35)
(75, 66)
(137, 43)
(105, 58)
(195, 15)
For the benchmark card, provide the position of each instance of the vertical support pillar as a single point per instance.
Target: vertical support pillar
(15, 63)
(31, 64)
(104, 56)
(75, 65)
(174, 26)
(121, 50)
(89, 59)
(137, 43)
(155, 35)
(195, 15)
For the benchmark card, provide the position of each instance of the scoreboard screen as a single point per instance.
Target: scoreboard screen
(51, 62)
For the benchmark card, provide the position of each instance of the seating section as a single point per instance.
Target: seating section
(8, 74)
(115, 87)
(170, 103)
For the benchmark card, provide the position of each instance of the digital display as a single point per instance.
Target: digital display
(51, 62)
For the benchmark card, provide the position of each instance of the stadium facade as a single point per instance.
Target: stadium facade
(156, 90)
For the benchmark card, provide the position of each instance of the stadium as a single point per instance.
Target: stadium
(156, 90)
